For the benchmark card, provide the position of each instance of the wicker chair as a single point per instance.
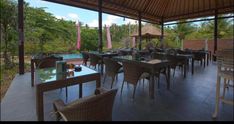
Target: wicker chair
(132, 74)
(171, 55)
(50, 62)
(95, 60)
(155, 55)
(85, 57)
(112, 68)
(97, 107)
(226, 71)
(199, 56)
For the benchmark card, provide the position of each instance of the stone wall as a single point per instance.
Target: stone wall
(200, 44)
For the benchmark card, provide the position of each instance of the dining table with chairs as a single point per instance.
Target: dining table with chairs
(150, 64)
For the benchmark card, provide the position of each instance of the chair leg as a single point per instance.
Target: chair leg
(112, 82)
(166, 77)
(104, 78)
(134, 90)
(122, 87)
(174, 72)
(66, 93)
(58, 117)
(224, 87)
(158, 81)
(217, 97)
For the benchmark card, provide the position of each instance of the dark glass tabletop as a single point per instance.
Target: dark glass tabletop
(50, 74)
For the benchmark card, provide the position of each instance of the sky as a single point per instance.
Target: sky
(77, 14)
(83, 15)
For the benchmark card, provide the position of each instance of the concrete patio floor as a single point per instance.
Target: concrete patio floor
(190, 99)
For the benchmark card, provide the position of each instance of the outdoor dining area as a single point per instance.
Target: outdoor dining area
(129, 84)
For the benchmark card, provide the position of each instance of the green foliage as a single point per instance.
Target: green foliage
(45, 33)
(89, 39)
(8, 32)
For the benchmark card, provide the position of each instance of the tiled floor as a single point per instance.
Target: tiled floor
(190, 99)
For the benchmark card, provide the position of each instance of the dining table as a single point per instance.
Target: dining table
(102, 55)
(35, 60)
(48, 79)
(153, 65)
(184, 58)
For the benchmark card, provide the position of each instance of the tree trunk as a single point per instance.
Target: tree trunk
(7, 61)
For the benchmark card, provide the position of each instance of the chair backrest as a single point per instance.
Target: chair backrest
(132, 72)
(48, 62)
(111, 67)
(171, 52)
(225, 59)
(94, 59)
(155, 55)
(181, 51)
(199, 55)
(94, 108)
(85, 56)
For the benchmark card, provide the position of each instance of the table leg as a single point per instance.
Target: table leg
(32, 73)
(192, 66)
(185, 69)
(80, 90)
(217, 97)
(204, 62)
(151, 86)
(39, 105)
(169, 77)
(98, 81)
(208, 57)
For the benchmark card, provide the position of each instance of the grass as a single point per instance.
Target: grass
(7, 75)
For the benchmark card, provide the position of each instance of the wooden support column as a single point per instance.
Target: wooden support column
(100, 25)
(162, 30)
(139, 30)
(21, 35)
(215, 33)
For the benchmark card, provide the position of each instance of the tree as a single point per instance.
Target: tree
(225, 28)
(182, 30)
(8, 29)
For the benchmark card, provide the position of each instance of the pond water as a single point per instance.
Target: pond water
(71, 56)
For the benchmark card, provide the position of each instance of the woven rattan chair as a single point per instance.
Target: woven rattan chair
(112, 68)
(85, 57)
(155, 55)
(225, 61)
(132, 74)
(50, 62)
(95, 60)
(199, 56)
(97, 107)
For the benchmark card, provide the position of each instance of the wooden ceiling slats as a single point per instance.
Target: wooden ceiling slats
(154, 5)
(154, 10)
(180, 6)
(166, 8)
(148, 3)
(159, 5)
(163, 8)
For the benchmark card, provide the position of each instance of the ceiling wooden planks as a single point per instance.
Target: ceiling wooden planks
(154, 10)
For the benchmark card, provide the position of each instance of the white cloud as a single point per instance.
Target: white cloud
(40, 2)
(110, 20)
(93, 23)
(61, 17)
(73, 17)
(131, 21)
